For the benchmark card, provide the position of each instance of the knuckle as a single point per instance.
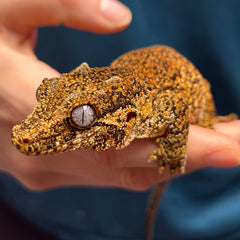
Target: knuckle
(31, 182)
(107, 162)
(134, 180)
(30, 176)
(106, 159)
(24, 168)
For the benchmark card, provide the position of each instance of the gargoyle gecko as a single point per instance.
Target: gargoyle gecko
(153, 92)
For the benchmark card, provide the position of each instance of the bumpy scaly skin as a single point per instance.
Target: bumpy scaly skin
(152, 92)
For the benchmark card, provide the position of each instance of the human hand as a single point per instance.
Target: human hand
(21, 73)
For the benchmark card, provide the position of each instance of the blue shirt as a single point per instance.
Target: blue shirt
(202, 205)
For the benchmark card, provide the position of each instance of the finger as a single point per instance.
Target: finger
(134, 155)
(102, 16)
(207, 147)
(229, 128)
(202, 145)
(22, 75)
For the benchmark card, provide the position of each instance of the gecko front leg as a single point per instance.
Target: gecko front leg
(171, 151)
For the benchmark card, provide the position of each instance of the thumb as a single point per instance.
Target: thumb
(99, 16)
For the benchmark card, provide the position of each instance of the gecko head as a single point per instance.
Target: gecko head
(87, 108)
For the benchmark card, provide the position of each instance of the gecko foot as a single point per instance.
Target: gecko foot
(156, 155)
(163, 161)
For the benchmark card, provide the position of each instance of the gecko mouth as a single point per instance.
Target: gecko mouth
(35, 149)
(29, 147)
(36, 146)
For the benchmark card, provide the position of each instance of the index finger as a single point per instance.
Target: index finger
(203, 143)
(99, 16)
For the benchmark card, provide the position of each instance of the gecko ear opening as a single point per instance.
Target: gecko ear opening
(82, 69)
(131, 115)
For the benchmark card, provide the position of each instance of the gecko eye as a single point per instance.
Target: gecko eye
(83, 116)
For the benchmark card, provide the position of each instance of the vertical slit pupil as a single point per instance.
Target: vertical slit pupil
(83, 115)
(83, 110)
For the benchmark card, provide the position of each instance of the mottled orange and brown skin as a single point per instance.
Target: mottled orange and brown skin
(153, 92)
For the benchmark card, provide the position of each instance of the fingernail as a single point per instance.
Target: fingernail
(225, 158)
(115, 12)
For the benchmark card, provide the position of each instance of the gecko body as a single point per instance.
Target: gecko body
(153, 92)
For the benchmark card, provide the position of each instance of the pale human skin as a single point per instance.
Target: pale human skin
(21, 73)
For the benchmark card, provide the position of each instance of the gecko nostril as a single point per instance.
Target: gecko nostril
(25, 140)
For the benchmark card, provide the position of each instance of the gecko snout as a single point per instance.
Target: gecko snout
(24, 143)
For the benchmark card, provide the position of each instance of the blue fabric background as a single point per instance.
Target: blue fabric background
(201, 205)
